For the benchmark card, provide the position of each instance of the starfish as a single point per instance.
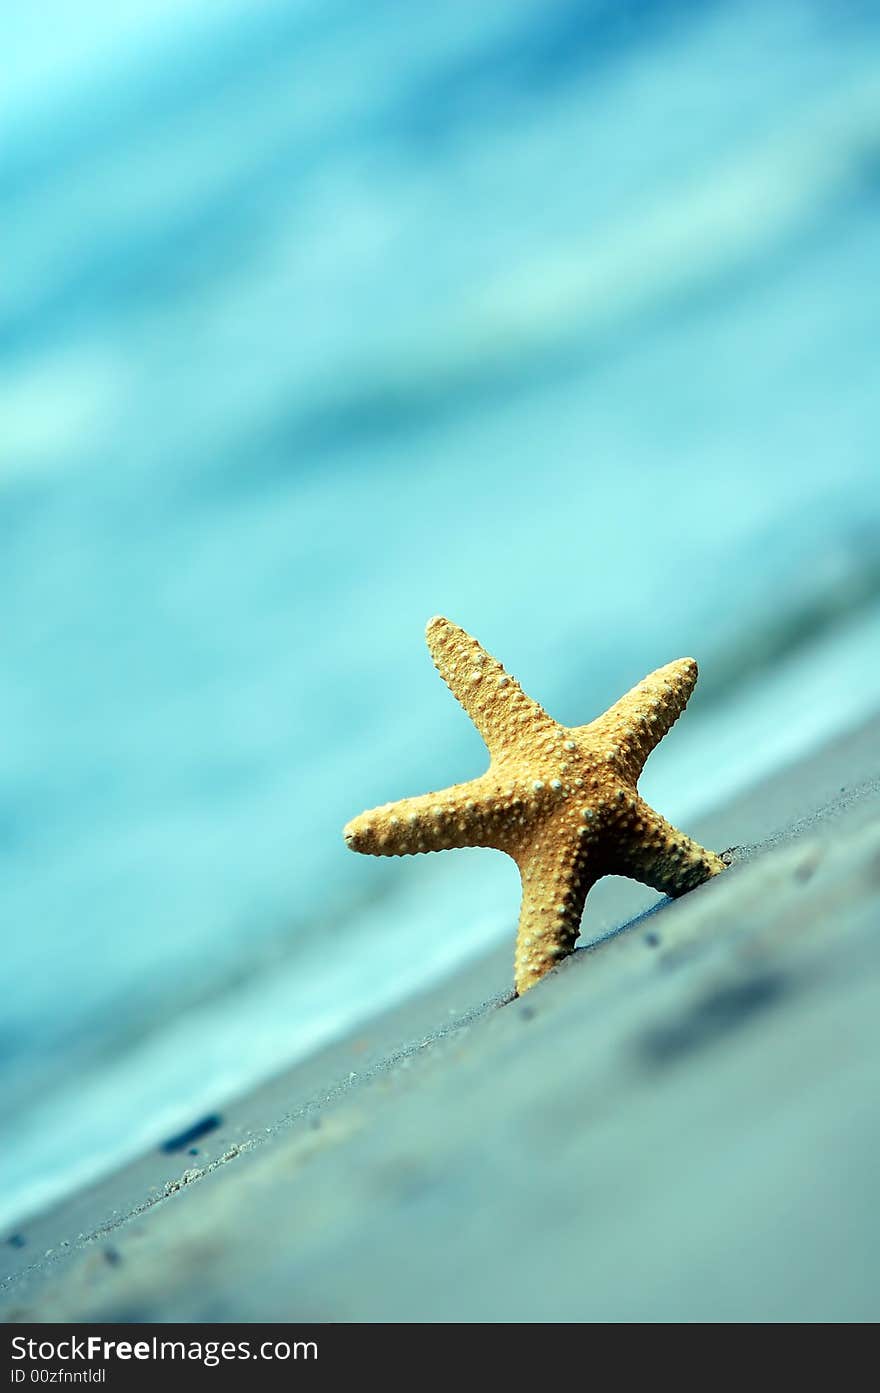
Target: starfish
(563, 802)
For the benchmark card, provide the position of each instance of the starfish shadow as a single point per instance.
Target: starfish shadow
(628, 925)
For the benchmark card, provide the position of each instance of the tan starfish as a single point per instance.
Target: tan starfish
(561, 801)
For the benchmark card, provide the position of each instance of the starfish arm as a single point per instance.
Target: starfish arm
(634, 725)
(657, 854)
(463, 815)
(495, 702)
(554, 889)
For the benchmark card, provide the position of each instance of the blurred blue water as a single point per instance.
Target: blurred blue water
(326, 318)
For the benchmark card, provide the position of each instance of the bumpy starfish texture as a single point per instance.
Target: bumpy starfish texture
(561, 801)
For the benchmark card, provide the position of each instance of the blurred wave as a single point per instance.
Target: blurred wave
(559, 320)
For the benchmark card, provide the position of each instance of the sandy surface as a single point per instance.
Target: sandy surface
(680, 1123)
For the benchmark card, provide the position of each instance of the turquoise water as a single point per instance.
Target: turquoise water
(327, 319)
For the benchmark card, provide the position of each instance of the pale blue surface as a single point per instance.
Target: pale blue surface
(562, 323)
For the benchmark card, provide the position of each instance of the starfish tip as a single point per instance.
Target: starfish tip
(439, 632)
(688, 668)
(353, 832)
